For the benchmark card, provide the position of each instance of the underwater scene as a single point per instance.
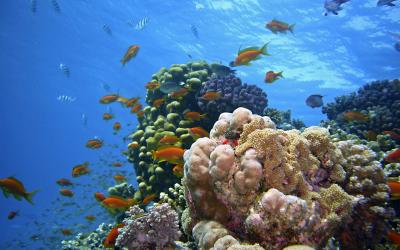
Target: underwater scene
(200, 124)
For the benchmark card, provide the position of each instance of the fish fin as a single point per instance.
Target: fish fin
(291, 27)
(16, 180)
(263, 49)
(247, 64)
(280, 74)
(6, 193)
(29, 196)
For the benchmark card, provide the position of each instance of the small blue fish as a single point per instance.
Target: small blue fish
(397, 46)
(56, 6)
(334, 6)
(65, 98)
(386, 2)
(33, 6)
(142, 23)
(107, 29)
(64, 68)
(194, 31)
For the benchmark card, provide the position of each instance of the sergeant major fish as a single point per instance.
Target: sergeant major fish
(64, 68)
(334, 6)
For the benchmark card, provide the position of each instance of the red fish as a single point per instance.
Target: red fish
(110, 98)
(152, 85)
(133, 145)
(194, 116)
(211, 96)
(130, 53)
(198, 132)
(247, 55)
(148, 198)
(107, 116)
(169, 139)
(179, 94)
(94, 143)
(109, 241)
(272, 76)
(12, 214)
(392, 134)
(169, 154)
(66, 232)
(132, 102)
(119, 178)
(393, 157)
(394, 237)
(355, 116)
(99, 196)
(158, 102)
(117, 126)
(178, 170)
(117, 164)
(80, 169)
(115, 202)
(66, 192)
(136, 108)
(90, 217)
(394, 188)
(64, 182)
(15, 187)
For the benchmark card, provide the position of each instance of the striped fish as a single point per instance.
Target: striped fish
(56, 6)
(65, 98)
(142, 23)
(33, 6)
(64, 68)
(194, 31)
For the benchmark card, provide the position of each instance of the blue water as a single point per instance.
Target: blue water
(43, 138)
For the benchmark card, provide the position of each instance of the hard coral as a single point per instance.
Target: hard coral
(155, 230)
(279, 188)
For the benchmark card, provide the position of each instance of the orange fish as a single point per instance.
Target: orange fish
(148, 198)
(247, 55)
(194, 116)
(117, 126)
(278, 26)
(169, 154)
(12, 214)
(119, 178)
(169, 139)
(392, 134)
(90, 217)
(394, 237)
(272, 76)
(179, 94)
(66, 192)
(152, 85)
(94, 143)
(109, 98)
(66, 231)
(394, 188)
(393, 157)
(211, 96)
(136, 108)
(80, 169)
(140, 114)
(355, 116)
(64, 182)
(178, 170)
(117, 164)
(130, 53)
(115, 202)
(132, 102)
(15, 187)
(133, 145)
(99, 196)
(158, 102)
(198, 132)
(110, 240)
(107, 116)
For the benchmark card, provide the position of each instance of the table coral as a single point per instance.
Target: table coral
(280, 188)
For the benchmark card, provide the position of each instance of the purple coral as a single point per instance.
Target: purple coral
(154, 230)
(234, 94)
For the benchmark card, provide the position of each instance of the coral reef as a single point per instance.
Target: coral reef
(234, 94)
(92, 241)
(123, 190)
(155, 230)
(280, 188)
(379, 100)
(168, 119)
(283, 120)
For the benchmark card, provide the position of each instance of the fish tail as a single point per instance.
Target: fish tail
(264, 49)
(280, 74)
(291, 27)
(28, 196)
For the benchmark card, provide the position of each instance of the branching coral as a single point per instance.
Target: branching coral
(279, 188)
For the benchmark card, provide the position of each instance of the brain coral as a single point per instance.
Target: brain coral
(280, 188)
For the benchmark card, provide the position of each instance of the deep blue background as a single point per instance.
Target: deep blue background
(41, 138)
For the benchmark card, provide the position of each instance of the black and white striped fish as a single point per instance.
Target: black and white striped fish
(194, 31)
(64, 68)
(107, 29)
(56, 6)
(142, 23)
(66, 98)
(33, 6)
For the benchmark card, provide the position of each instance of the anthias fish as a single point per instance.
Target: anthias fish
(94, 143)
(171, 154)
(110, 240)
(66, 192)
(152, 85)
(11, 215)
(13, 186)
(194, 116)
(355, 116)
(107, 116)
(64, 182)
(130, 53)
(80, 169)
(169, 139)
(271, 76)
(211, 96)
(393, 157)
(99, 196)
(117, 126)
(247, 55)
(198, 132)
(277, 26)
